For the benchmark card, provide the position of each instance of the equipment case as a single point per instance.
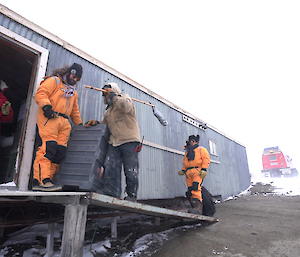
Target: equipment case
(80, 170)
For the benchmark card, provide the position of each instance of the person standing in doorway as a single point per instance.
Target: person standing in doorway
(57, 100)
(124, 143)
(6, 111)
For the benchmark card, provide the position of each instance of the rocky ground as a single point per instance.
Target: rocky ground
(258, 223)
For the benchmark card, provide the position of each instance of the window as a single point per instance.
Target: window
(213, 147)
(273, 158)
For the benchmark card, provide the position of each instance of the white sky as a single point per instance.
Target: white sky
(233, 64)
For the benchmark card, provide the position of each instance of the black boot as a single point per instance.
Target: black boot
(130, 197)
(196, 205)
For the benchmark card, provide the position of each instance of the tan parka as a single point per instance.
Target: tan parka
(121, 121)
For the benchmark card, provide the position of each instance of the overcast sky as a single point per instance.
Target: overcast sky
(233, 64)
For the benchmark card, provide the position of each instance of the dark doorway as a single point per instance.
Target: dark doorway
(17, 68)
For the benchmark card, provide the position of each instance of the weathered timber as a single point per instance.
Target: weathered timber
(76, 205)
(122, 205)
(74, 230)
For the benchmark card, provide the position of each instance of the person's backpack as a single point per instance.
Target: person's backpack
(208, 208)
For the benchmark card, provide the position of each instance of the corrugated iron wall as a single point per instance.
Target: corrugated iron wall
(228, 173)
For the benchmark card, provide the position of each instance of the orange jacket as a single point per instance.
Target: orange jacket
(51, 93)
(201, 160)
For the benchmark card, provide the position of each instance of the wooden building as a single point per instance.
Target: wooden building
(28, 53)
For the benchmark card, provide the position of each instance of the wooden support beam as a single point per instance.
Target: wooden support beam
(157, 221)
(50, 239)
(114, 227)
(123, 205)
(1, 229)
(74, 230)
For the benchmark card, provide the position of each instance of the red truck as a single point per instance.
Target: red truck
(277, 164)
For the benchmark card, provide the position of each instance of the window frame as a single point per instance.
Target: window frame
(213, 147)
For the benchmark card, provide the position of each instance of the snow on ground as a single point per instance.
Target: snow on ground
(144, 246)
(283, 186)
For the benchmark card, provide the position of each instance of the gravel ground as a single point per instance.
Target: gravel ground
(255, 225)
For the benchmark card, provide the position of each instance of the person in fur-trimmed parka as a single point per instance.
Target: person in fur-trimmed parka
(124, 142)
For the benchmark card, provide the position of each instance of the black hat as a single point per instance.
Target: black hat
(76, 69)
(195, 138)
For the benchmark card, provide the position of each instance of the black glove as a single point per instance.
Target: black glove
(48, 111)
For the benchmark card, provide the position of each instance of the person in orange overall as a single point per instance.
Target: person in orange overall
(195, 163)
(57, 100)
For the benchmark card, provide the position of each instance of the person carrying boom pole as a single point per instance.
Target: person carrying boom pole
(124, 143)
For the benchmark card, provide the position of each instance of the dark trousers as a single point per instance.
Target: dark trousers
(115, 158)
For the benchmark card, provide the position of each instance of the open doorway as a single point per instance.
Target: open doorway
(22, 66)
(17, 68)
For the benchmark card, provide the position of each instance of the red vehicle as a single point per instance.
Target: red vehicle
(277, 164)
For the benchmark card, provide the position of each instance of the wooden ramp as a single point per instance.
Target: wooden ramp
(75, 214)
(103, 201)
(16, 193)
(123, 205)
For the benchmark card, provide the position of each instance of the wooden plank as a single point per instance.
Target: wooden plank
(32, 193)
(123, 205)
(109, 202)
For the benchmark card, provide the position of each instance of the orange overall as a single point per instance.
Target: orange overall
(54, 132)
(192, 169)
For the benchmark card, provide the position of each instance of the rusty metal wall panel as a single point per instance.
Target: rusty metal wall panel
(227, 176)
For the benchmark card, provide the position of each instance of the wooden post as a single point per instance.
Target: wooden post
(74, 230)
(50, 239)
(157, 221)
(1, 229)
(114, 227)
